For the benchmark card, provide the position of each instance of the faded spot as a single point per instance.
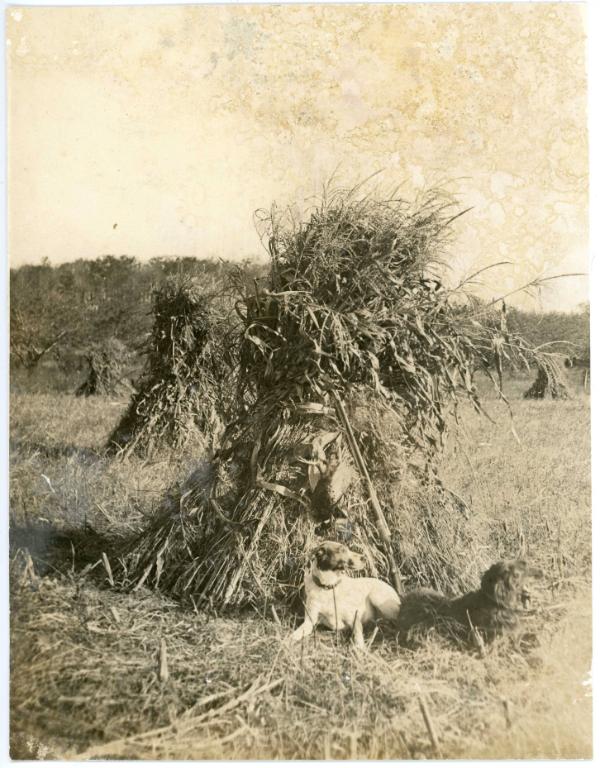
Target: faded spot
(497, 215)
(23, 48)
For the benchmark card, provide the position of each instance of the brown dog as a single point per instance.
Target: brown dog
(491, 610)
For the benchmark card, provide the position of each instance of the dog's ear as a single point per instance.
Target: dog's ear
(326, 556)
(314, 553)
(488, 581)
(503, 582)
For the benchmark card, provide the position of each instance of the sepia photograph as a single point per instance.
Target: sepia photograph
(299, 383)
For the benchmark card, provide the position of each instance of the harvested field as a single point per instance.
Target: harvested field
(316, 285)
(85, 666)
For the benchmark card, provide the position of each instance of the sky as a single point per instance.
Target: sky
(159, 130)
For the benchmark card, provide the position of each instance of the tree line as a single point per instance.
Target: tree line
(59, 312)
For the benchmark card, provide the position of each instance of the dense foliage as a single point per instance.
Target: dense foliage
(58, 313)
(572, 329)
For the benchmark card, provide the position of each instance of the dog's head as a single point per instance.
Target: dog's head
(506, 582)
(334, 556)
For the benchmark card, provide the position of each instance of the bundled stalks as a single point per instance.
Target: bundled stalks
(497, 348)
(106, 370)
(550, 378)
(352, 351)
(184, 392)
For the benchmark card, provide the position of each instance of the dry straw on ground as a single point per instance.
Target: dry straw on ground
(89, 686)
(86, 657)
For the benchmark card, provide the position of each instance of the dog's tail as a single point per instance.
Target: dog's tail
(422, 607)
(390, 607)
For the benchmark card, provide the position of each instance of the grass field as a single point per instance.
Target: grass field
(86, 677)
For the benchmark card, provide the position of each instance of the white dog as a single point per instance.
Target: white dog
(337, 601)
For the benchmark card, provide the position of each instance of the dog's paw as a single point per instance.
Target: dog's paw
(360, 648)
(295, 639)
